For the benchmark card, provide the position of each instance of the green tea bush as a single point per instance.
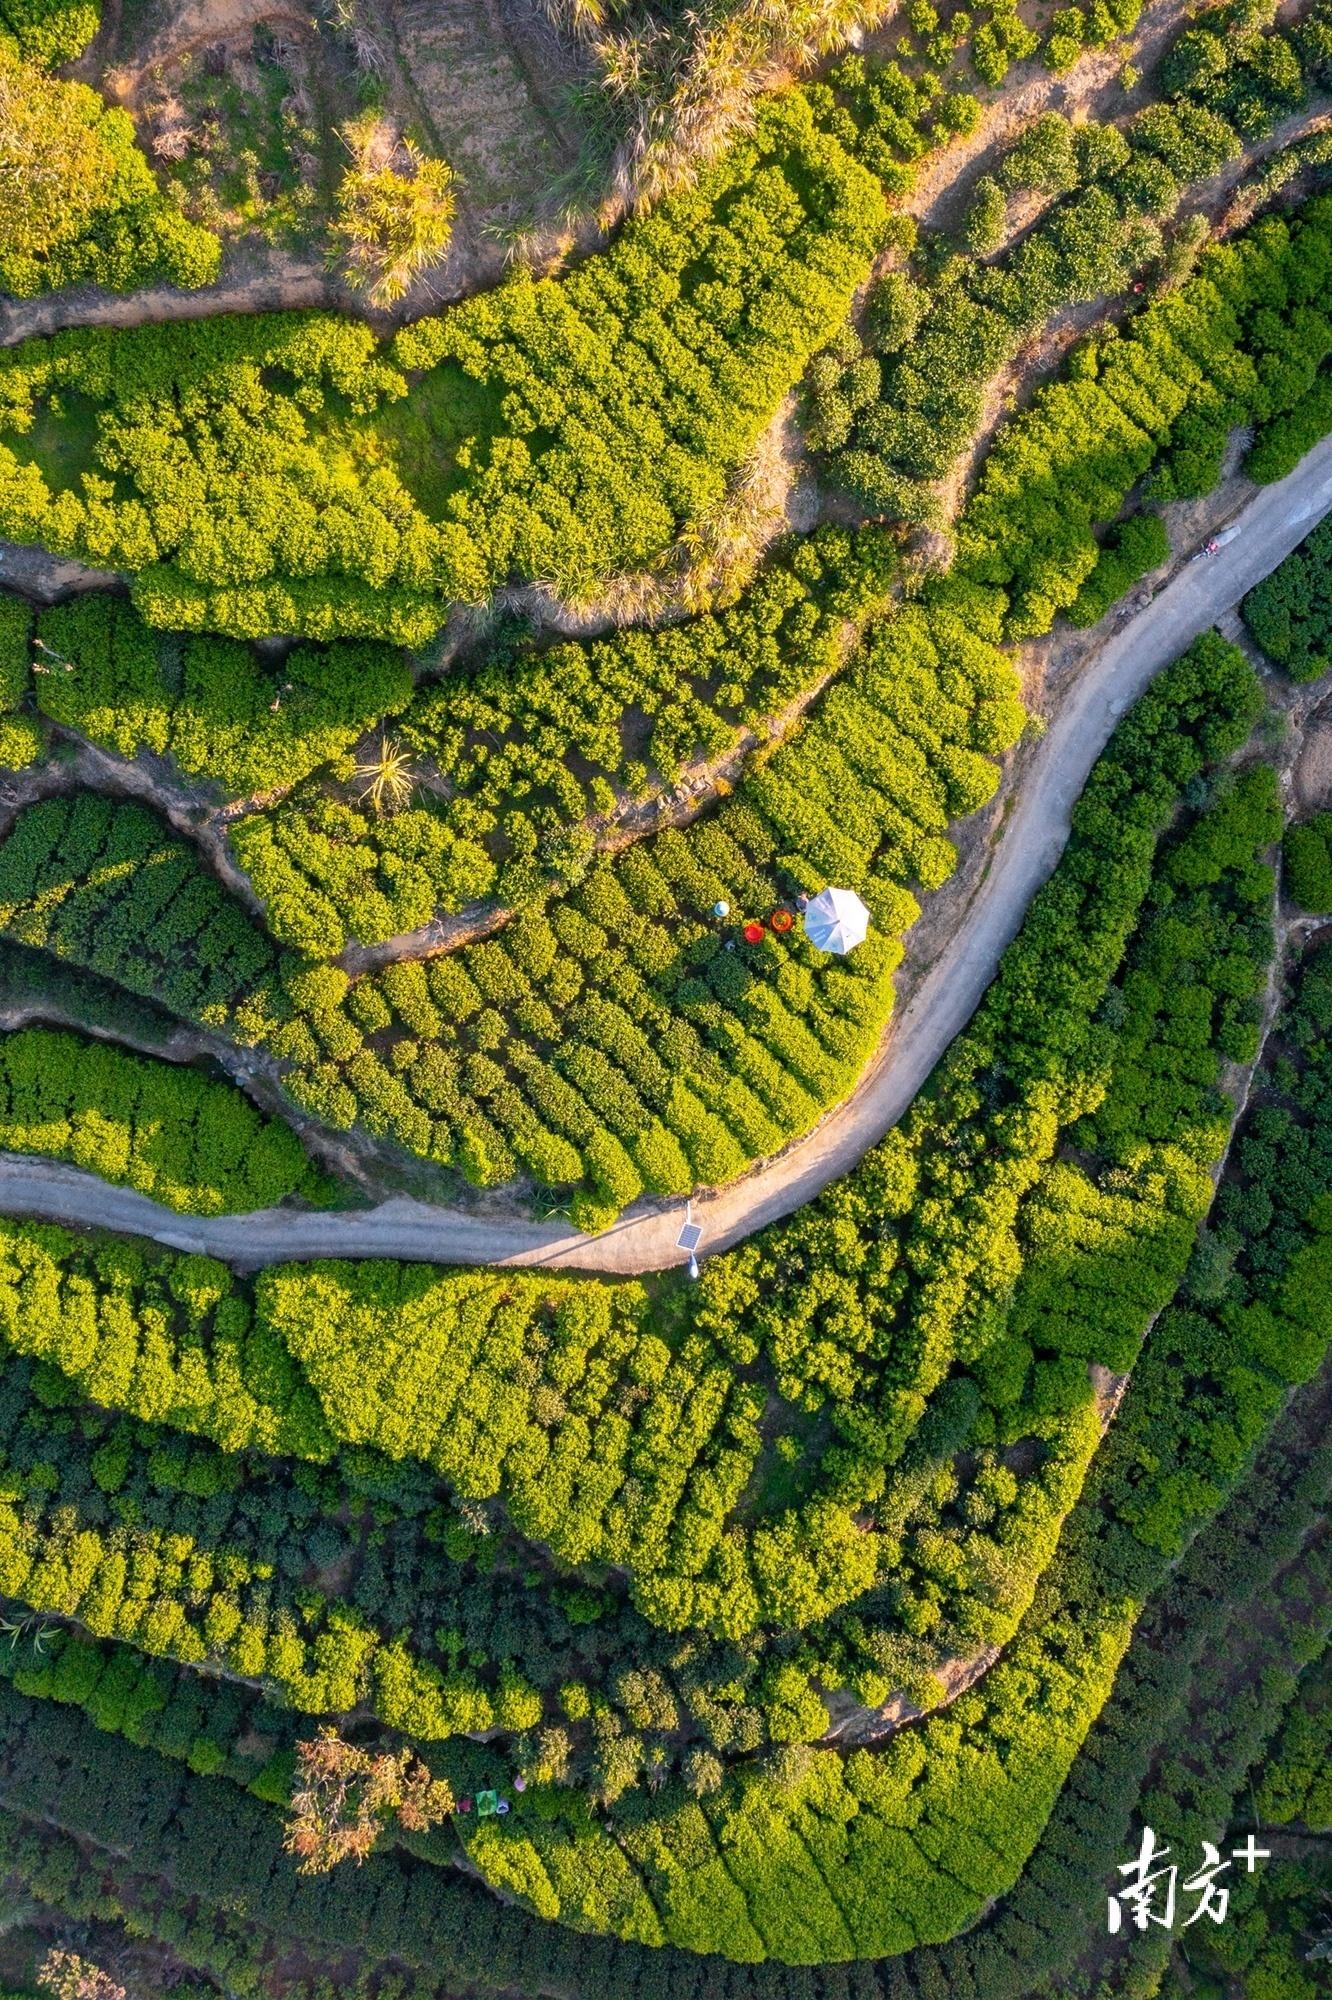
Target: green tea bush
(633, 1040)
(210, 703)
(1296, 1783)
(1307, 851)
(511, 739)
(22, 739)
(194, 1145)
(1255, 1312)
(909, 1840)
(1289, 613)
(507, 727)
(80, 203)
(328, 870)
(99, 883)
(827, 1335)
(1241, 342)
(887, 120)
(215, 1726)
(1097, 1254)
(368, 1341)
(1225, 83)
(155, 1544)
(1000, 41)
(1141, 544)
(1231, 63)
(50, 32)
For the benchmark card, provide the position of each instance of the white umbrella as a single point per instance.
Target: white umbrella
(836, 920)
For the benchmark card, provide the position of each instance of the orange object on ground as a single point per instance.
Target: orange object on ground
(781, 920)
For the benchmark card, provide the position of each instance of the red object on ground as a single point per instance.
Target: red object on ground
(781, 920)
(753, 933)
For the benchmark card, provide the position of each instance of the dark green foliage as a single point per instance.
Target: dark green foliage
(99, 883)
(1297, 1780)
(1256, 1309)
(37, 987)
(1290, 612)
(211, 703)
(1307, 851)
(196, 1718)
(15, 628)
(21, 738)
(186, 1550)
(194, 1145)
(1199, 1695)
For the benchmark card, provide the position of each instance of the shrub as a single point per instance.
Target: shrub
(80, 203)
(1141, 544)
(98, 883)
(1307, 851)
(1290, 612)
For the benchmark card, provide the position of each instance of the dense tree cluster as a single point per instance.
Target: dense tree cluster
(1073, 29)
(1197, 1699)
(50, 32)
(1307, 852)
(1240, 343)
(98, 882)
(888, 120)
(1202, 1672)
(508, 737)
(329, 867)
(22, 738)
(1204, 898)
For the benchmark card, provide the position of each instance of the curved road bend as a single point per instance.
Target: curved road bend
(1270, 526)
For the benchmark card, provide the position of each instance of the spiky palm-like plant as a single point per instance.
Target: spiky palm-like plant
(389, 777)
(394, 210)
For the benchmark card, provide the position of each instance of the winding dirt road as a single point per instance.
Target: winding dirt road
(644, 1239)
